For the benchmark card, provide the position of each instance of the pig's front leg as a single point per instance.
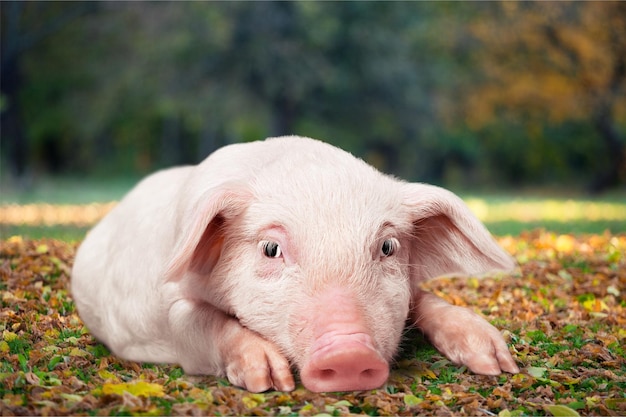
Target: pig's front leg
(211, 342)
(461, 335)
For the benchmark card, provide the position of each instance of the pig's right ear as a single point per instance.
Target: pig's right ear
(203, 225)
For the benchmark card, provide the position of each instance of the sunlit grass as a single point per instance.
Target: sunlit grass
(54, 214)
(558, 215)
(551, 210)
(67, 209)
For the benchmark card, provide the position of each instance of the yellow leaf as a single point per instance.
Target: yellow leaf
(15, 239)
(41, 249)
(77, 352)
(595, 305)
(51, 335)
(13, 399)
(473, 283)
(106, 375)
(565, 243)
(138, 389)
(202, 397)
(9, 336)
(4, 347)
(253, 400)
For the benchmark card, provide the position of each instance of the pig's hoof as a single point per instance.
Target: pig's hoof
(468, 339)
(255, 364)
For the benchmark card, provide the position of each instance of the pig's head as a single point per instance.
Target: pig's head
(319, 253)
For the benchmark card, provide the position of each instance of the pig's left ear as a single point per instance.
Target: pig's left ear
(447, 238)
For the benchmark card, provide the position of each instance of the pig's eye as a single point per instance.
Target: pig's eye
(272, 250)
(388, 247)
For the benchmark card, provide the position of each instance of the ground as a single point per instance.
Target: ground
(563, 313)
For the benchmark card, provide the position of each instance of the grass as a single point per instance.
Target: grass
(575, 362)
(504, 213)
(68, 190)
(563, 314)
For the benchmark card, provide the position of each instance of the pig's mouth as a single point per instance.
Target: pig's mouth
(344, 362)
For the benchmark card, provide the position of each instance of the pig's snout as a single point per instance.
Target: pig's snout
(344, 363)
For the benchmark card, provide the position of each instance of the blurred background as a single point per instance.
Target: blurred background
(472, 96)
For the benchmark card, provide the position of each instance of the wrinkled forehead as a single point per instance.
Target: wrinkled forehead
(332, 198)
(318, 212)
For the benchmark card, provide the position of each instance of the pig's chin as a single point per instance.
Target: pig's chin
(344, 362)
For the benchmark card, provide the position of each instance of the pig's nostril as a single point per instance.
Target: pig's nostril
(330, 374)
(327, 373)
(345, 375)
(344, 363)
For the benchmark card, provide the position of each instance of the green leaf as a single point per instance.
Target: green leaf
(54, 362)
(23, 362)
(611, 403)
(536, 371)
(561, 411)
(577, 405)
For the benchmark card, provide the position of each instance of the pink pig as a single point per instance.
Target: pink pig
(280, 253)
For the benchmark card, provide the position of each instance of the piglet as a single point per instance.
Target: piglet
(280, 254)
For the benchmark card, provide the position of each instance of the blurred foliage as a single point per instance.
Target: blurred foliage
(455, 93)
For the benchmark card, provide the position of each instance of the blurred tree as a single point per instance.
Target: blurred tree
(23, 28)
(460, 92)
(547, 64)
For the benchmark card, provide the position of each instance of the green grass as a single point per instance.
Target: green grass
(562, 315)
(65, 233)
(68, 191)
(514, 228)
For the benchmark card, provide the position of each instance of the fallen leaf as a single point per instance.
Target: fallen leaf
(561, 411)
(410, 400)
(536, 371)
(253, 400)
(138, 389)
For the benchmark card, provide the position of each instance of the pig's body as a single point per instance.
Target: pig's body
(287, 252)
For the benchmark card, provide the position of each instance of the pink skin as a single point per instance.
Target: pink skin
(463, 336)
(342, 355)
(279, 256)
